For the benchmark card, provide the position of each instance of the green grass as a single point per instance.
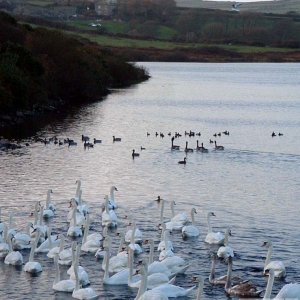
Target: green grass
(115, 27)
(166, 33)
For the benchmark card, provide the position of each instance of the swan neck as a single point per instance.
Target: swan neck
(78, 188)
(142, 289)
(48, 199)
(74, 215)
(200, 290)
(193, 216)
(112, 193)
(107, 253)
(151, 252)
(79, 197)
(41, 216)
(268, 292)
(122, 240)
(61, 246)
(226, 238)
(49, 238)
(106, 205)
(268, 258)
(86, 229)
(162, 206)
(57, 274)
(166, 239)
(130, 264)
(229, 272)
(133, 233)
(172, 209)
(76, 277)
(212, 270)
(31, 255)
(208, 224)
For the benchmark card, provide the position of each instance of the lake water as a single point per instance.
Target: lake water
(252, 186)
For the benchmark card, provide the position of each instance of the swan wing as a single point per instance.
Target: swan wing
(289, 291)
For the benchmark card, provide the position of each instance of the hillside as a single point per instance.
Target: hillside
(275, 7)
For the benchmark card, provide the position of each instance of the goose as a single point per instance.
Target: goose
(116, 139)
(182, 162)
(213, 237)
(143, 294)
(48, 212)
(276, 265)
(82, 293)
(111, 202)
(92, 244)
(119, 278)
(109, 218)
(83, 276)
(190, 230)
(222, 279)
(138, 235)
(218, 147)
(74, 230)
(244, 290)
(134, 154)
(174, 147)
(225, 251)
(49, 204)
(288, 291)
(117, 262)
(32, 266)
(65, 256)
(14, 258)
(51, 242)
(4, 246)
(201, 148)
(66, 285)
(57, 249)
(186, 150)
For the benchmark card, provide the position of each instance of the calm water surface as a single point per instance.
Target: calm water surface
(253, 186)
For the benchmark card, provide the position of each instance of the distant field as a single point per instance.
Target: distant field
(280, 6)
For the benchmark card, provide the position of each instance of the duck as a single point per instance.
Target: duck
(32, 266)
(276, 265)
(85, 138)
(116, 139)
(218, 147)
(82, 293)
(14, 258)
(288, 291)
(111, 200)
(135, 154)
(97, 141)
(244, 289)
(225, 251)
(213, 237)
(109, 217)
(190, 230)
(66, 285)
(182, 162)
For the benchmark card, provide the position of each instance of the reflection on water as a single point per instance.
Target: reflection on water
(252, 186)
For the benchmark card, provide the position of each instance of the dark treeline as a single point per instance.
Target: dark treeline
(210, 26)
(42, 68)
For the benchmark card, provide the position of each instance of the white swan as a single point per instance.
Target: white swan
(80, 217)
(112, 203)
(191, 230)
(49, 204)
(288, 291)
(48, 212)
(55, 250)
(116, 263)
(119, 278)
(213, 237)
(32, 266)
(143, 294)
(66, 285)
(109, 217)
(82, 208)
(137, 249)
(21, 240)
(65, 256)
(225, 251)
(138, 235)
(51, 242)
(4, 247)
(74, 230)
(94, 242)
(276, 265)
(167, 252)
(14, 258)
(83, 276)
(40, 227)
(162, 246)
(78, 188)
(178, 220)
(175, 264)
(82, 293)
